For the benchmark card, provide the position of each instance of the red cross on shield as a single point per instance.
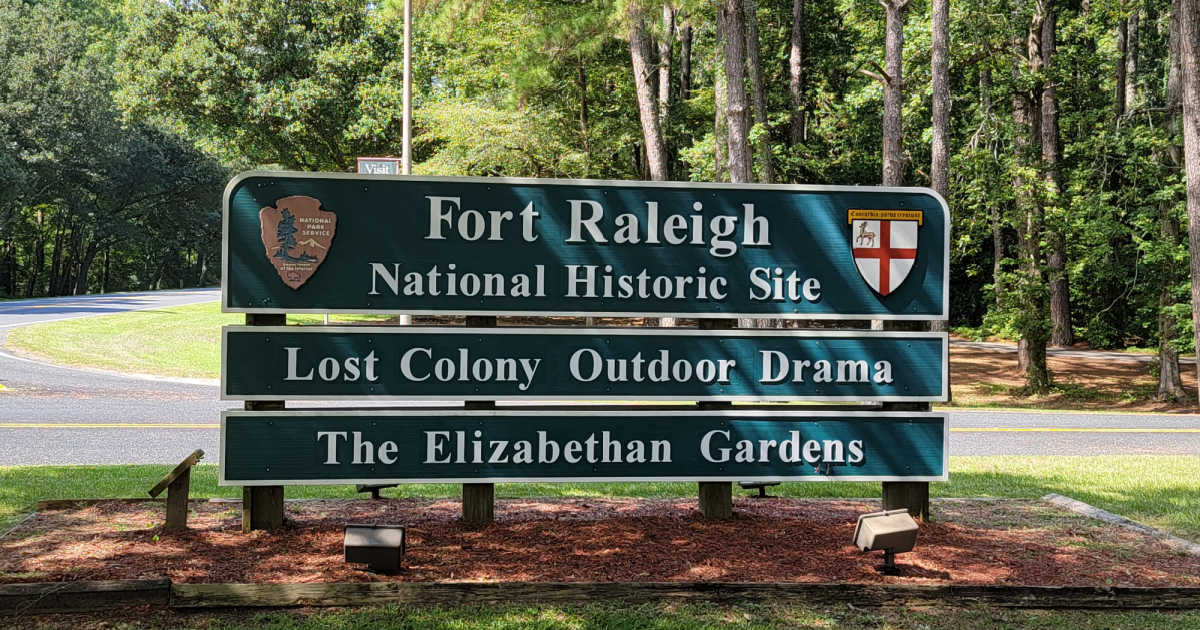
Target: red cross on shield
(884, 243)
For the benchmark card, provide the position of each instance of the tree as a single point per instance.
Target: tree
(1060, 292)
(737, 121)
(1189, 35)
(796, 73)
(1170, 385)
(758, 95)
(939, 168)
(309, 84)
(893, 93)
(90, 185)
(1028, 293)
(720, 103)
(641, 52)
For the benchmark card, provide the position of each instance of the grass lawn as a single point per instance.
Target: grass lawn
(644, 617)
(180, 341)
(1159, 491)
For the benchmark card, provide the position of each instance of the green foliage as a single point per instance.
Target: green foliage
(545, 89)
(471, 139)
(79, 185)
(310, 84)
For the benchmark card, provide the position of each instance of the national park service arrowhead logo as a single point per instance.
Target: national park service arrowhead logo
(297, 234)
(885, 246)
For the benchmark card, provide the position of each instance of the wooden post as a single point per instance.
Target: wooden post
(262, 506)
(178, 483)
(479, 499)
(716, 497)
(912, 495)
(177, 501)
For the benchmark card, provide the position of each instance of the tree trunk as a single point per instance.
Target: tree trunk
(664, 65)
(85, 267)
(581, 80)
(735, 103)
(1131, 59)
(893, 94)
(56, 261)
(33, 286)
(1189, 32)
(685, 61)
(104, 273)
(796, 73)
(720, 91)
(1031, 349)
(998, 254)
(939, 168)
(640, 50)
(758, 94)
(1170, 384)
(1122, 48)
(1060, 292)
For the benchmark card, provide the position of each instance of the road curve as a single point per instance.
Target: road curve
(58, 415)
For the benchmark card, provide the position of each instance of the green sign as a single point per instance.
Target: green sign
(380, 446)
(331, 242)
(359, 362)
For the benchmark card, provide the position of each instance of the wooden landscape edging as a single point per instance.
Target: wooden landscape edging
(462, 593)
(82, 596)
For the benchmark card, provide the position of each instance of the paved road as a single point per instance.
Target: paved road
(56, 415)
(21, 312)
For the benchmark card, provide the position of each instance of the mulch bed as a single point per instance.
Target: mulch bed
(638, 540)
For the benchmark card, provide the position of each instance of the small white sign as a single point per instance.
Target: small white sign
(379, 165)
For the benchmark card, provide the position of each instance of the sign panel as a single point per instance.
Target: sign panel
(379, 166)
(360, 362)
(457, 446)
(491, 246)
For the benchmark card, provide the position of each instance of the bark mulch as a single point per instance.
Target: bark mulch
(640, 540)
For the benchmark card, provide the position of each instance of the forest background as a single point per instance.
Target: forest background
(1054, 128)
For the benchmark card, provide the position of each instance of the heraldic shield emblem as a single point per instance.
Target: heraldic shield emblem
(885, 246)
(297, 234)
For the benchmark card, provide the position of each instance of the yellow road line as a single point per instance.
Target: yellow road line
(100, 425)
(1065, 430)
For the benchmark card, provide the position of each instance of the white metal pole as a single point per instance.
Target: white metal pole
(406, 154)
(406, 157)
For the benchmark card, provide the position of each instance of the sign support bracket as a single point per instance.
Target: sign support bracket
(479, 499)
(716, 497)
(262, 506)
(910, 495)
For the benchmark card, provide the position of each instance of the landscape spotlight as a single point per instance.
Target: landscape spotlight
(892, 531)
(380, 547)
